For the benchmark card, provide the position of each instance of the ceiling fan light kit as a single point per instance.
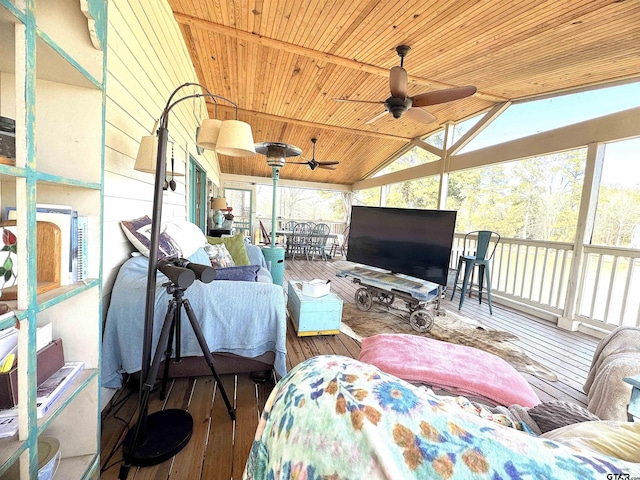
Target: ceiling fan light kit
(400, 103)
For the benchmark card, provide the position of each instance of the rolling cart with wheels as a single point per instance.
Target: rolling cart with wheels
(421, 298)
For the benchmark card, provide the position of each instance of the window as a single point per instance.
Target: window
(420, 193)
(618, 212)
(537, 198)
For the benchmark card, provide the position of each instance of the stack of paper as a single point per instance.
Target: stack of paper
(8, 346)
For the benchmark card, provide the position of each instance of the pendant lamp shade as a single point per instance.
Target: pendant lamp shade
(147, 154)
(208, 133)
(235, 139)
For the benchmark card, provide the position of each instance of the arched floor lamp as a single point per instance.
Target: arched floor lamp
(159, 436)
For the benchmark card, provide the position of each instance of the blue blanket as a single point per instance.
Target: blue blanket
(243, 318)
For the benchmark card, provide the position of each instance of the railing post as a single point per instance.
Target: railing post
(584, 230)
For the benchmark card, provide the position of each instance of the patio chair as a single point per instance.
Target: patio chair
(485, 239)
(288, 227)
(318, 241)
(266, 239)
(299, 240)
(340, 243)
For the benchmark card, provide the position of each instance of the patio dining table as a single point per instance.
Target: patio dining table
(289, 233)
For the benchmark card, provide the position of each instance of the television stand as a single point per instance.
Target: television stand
(421, 298)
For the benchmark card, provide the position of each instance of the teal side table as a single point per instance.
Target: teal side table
(634, 402)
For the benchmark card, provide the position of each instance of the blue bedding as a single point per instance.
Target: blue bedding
(243, 318)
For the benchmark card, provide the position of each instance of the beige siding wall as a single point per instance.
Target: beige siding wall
(147, 60)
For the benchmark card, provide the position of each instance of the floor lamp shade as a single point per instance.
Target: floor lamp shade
(147, 154)
(235, 139)
(208, 133)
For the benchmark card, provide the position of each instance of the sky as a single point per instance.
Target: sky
(622, 159)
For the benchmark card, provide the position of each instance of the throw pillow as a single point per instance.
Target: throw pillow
(557, 413)
(138, 231)
(247, 273)
(219, 256)
(185, 235)
(616, 439)
(236, 248)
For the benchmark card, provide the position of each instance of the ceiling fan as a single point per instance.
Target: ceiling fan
(400, 103)
(313, 163)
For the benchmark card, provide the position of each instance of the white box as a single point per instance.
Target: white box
(316, 288)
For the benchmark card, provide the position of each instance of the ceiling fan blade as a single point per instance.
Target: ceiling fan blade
(398, 82)
(327, 167)
(335, 162)
(420, 115)
(376, 118)
(443, 96)
(297, 163)
(377, 102)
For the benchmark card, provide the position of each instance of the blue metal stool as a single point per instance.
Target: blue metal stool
(480, 259)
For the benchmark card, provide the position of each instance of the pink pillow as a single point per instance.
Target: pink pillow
(464, 370)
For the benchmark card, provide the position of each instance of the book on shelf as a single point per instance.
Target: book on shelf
(50, 390)
(8, 422)
(73, 231)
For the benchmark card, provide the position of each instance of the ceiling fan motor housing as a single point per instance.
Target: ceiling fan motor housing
(398, 106)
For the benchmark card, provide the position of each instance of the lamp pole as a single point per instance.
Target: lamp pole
(157, 437)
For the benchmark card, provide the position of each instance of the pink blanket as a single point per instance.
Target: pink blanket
(457, 368)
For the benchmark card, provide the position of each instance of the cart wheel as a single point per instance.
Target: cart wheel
(421, 320)
(385, 298)
(364, 301)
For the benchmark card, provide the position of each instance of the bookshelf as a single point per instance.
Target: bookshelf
(52, 82)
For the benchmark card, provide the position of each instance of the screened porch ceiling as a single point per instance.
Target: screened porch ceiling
(283, 62)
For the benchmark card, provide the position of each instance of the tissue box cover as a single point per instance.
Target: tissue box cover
(316, 288)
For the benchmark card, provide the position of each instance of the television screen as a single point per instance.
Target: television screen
(410, 241)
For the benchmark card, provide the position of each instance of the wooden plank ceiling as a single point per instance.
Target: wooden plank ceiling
(284, 61)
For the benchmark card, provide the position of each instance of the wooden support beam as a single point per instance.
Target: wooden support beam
(609, 128)
(304, 123)
(315, 54)
(474, 131)
(429, 148)
(230, 179)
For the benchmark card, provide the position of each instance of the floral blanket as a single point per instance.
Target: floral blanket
(333, 417)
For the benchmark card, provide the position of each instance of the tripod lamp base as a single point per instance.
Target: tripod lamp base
(167, 432)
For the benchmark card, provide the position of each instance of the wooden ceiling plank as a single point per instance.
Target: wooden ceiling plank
(376, 24)
(297, 32)
(410, 28)
(277, 44)
(331, 18)
(534, 24)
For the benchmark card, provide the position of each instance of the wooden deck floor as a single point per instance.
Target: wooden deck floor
(219, 447)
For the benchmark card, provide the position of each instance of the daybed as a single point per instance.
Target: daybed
(244, 322)
(335, 417)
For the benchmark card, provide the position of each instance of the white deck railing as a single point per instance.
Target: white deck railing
(536, 273)
(609, 290)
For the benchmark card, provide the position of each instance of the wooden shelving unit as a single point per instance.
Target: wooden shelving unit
(52, 82)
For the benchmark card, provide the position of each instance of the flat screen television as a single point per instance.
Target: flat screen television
(410, 241)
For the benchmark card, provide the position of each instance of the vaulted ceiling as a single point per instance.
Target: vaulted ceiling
(283, 62)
